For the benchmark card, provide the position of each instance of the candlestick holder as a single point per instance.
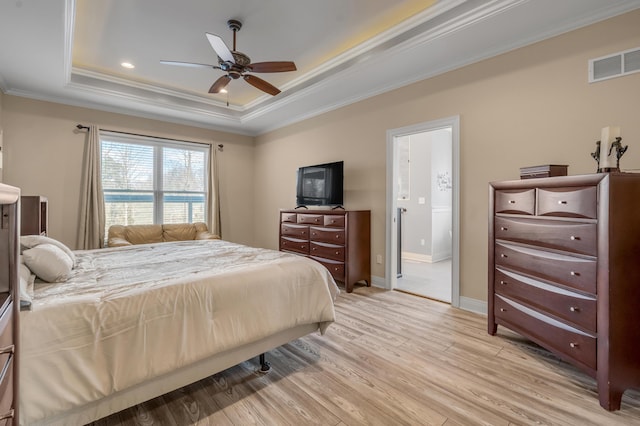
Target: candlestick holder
(619, 152)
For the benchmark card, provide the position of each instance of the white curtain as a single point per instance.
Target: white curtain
(92, 219)
(213, 212)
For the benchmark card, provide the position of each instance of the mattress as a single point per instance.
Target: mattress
(130, 314)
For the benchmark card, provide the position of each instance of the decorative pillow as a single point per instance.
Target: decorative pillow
(31, 241)
(26, 285)
(48, 262)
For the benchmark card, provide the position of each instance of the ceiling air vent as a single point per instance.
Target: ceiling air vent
(616, 65)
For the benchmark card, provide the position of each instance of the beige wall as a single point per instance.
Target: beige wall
(44, 156)
(528, 107)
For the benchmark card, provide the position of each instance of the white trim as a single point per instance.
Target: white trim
(473, 305)
(391, 265)
(379, 282)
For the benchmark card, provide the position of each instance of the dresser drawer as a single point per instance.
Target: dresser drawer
(335, 268)
(6, 327)
(295, 245)
(329, 251)
(574, 272)
(311, 219)
(572, 307)
(6, 391)
(288, 217)
(569, 202)
(298, 231)
(555, 335)
(327, 235)
(571, 236)
(334, 220)
(515, 201)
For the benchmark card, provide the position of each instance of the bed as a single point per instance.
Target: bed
(132, 323)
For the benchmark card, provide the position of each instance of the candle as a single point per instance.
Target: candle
(607, 137)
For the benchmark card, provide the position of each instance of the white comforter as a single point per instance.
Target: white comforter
(129, 314)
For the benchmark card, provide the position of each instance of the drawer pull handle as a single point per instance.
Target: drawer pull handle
(503, 282)
(7, 350)
(573, 345)
(336, 269)
(314, 249)
(337, 252)
(503, 310)
(574, 309)
(503, 255)
(512, 201)
(7, 415)
(313, 234)
(504, 228)
(562, 202)
(573, 238)
(337, 236)
(301, 247)
(575, 274)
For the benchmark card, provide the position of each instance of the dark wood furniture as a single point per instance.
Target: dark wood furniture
(564, 271)
(338, 239)
(34, 215)
(9, 304)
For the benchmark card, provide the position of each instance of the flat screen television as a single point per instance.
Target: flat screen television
(320, 185)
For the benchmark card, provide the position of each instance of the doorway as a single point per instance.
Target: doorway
(422, 210)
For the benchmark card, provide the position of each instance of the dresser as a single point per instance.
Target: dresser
(338, 239)
(9, 305)
(564, 271)
(34, 215)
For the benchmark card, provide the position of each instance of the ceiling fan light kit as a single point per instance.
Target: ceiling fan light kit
(237, 64)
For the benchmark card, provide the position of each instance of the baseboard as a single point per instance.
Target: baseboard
(473, 305)
(417, 257)
(379, 282)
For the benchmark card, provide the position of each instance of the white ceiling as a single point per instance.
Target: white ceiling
(69, 51)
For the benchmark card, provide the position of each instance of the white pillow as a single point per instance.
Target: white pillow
(31, 241)
(48, 262)
(26, 285)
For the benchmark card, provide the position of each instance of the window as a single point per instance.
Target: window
(147, 180)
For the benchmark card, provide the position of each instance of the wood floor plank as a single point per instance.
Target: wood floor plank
(391, 359)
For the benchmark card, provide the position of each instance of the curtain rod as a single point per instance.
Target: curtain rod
(81, 127)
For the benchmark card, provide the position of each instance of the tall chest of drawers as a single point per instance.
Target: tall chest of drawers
(564, 271)
(9, 304)
(338, 239)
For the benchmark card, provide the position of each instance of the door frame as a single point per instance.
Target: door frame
(391, 264)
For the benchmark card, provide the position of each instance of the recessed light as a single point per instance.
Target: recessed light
(224, 91)
(128, 65)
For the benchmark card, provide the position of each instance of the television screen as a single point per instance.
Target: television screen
(320, 185)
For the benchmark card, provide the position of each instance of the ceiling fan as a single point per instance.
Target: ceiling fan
(237, 64)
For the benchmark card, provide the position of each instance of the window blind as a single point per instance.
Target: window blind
(149, 180)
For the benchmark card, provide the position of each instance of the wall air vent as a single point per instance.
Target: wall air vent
(616, 65)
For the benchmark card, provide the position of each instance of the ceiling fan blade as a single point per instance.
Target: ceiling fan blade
(261, 84)
(220, 84)
(220, 48)
(276, 66)
(189, 64)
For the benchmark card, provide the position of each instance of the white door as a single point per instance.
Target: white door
(422, 197)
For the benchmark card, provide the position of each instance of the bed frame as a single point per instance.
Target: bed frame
(176, 379)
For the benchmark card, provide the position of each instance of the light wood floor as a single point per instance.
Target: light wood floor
(393, 359)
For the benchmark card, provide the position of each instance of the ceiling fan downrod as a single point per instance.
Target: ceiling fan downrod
(234, 25)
